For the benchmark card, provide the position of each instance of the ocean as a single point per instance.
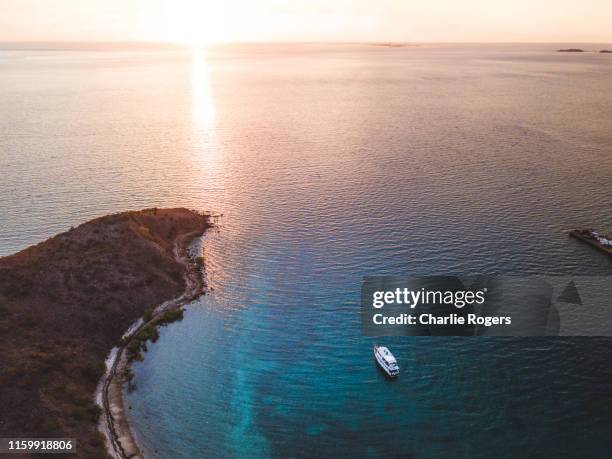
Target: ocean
(329, 163)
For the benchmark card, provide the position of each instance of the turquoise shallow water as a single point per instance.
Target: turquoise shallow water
(330, 163)
(274, 394)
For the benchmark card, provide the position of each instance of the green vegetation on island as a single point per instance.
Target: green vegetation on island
(137, 344)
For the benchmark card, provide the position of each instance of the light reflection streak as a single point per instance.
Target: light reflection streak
(202, 103)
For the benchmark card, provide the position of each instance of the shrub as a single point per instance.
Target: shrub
(171, 315)
(148, 315)
(92, 372)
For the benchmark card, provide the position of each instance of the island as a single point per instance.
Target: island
(605, 51)
(67, 302)
(571, 50)
(391, 45)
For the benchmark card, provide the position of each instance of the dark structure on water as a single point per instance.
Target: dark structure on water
(599, 241)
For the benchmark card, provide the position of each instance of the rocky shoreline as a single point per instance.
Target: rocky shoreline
(120, 440)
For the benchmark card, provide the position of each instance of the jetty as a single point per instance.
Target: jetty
(601, 242)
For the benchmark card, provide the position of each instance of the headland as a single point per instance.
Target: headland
(66, 303)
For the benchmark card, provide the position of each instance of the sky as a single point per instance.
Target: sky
(206, 21)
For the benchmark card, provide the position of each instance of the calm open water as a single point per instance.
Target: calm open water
(329, 163)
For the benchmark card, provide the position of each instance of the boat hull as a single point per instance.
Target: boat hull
(383, 367)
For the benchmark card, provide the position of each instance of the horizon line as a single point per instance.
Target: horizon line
(343, 42)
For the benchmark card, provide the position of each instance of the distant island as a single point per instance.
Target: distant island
(395, 45)
(578, 50)
(66, 302)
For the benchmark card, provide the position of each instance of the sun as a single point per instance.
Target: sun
(194, 23)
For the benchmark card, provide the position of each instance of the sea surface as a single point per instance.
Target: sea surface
(328, 163)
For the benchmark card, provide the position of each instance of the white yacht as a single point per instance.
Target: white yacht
(386, 361)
